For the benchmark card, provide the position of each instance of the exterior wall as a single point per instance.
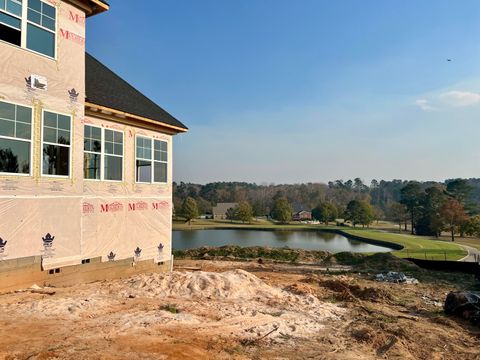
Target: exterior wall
(23, 272)
(143, 212)
(87, 218)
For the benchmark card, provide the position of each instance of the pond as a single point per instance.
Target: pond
(308, 240)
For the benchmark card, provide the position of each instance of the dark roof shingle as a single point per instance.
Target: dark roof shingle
(105, 88)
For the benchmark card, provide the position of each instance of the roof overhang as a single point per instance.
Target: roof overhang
(91, 7)
(107, 113)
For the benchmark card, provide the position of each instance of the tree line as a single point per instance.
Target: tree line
(428, 207)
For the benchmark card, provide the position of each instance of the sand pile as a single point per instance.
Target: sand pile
(236, 284)
(234, 303)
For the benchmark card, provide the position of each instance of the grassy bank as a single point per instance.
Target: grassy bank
(412, 246)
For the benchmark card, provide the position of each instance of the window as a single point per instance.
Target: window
(92, 152)
(15, 138)
(41, 27)
(37, 20)
(11, 21)
(56, 144)
(151, 160)
(103, 146)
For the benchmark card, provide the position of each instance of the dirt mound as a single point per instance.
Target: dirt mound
(379, 262)
(254, 252)
(300, 289)
(352, 292)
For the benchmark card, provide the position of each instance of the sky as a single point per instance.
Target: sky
(292, 91)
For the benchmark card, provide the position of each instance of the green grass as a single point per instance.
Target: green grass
(414, 246)
(419, 247)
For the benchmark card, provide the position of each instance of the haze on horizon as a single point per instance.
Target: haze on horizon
(281, 91)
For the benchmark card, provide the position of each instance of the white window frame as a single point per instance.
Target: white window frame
(103, 154)
(70, 155)
(23, 28)
(152, 160)
(20, 139)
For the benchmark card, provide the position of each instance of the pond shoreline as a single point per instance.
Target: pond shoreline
(330, 240)
(400, 244)
(387, 244)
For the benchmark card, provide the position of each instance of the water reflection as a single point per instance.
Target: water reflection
(310, 240)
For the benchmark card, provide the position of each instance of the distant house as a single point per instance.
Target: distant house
(302, 215)
(220, 211)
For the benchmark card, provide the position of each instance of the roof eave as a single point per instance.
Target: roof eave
(91, 7)
(105, 110)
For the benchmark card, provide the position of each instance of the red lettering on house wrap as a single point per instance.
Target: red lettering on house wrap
(76, 18)
(87, 208)
(160, 205)
(112, 207)
(137, 206)
(67, 35)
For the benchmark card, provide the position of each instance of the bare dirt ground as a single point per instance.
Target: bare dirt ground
(238, 310)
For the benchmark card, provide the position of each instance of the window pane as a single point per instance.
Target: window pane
(87, 144)
(23, 131)
(10, 35)
(24, 114)
(147, 144)
(49, 10)
(147, 153)
(96, 133)
(113, 168)
(91, 166)
(163, 145)
(93, 138)
(49, 135)
(140, 153)
(7, 128)
(56, 160)
(2, 4)
(63, 137)
(96, 146)
(40, 40)
(144, 171)
(63, 122)
(14, 156)
(48, 23)
(160, 172)
(157, 145)
(49, 119)
(118, 137)
(109, 135)
(14, 8)
(7, 111)
(10, 20)
(34, 16)
(163, 156)
(118, 149)
(35, 4)
(108, 148)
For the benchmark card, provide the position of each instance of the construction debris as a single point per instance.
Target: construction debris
(396, 277)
